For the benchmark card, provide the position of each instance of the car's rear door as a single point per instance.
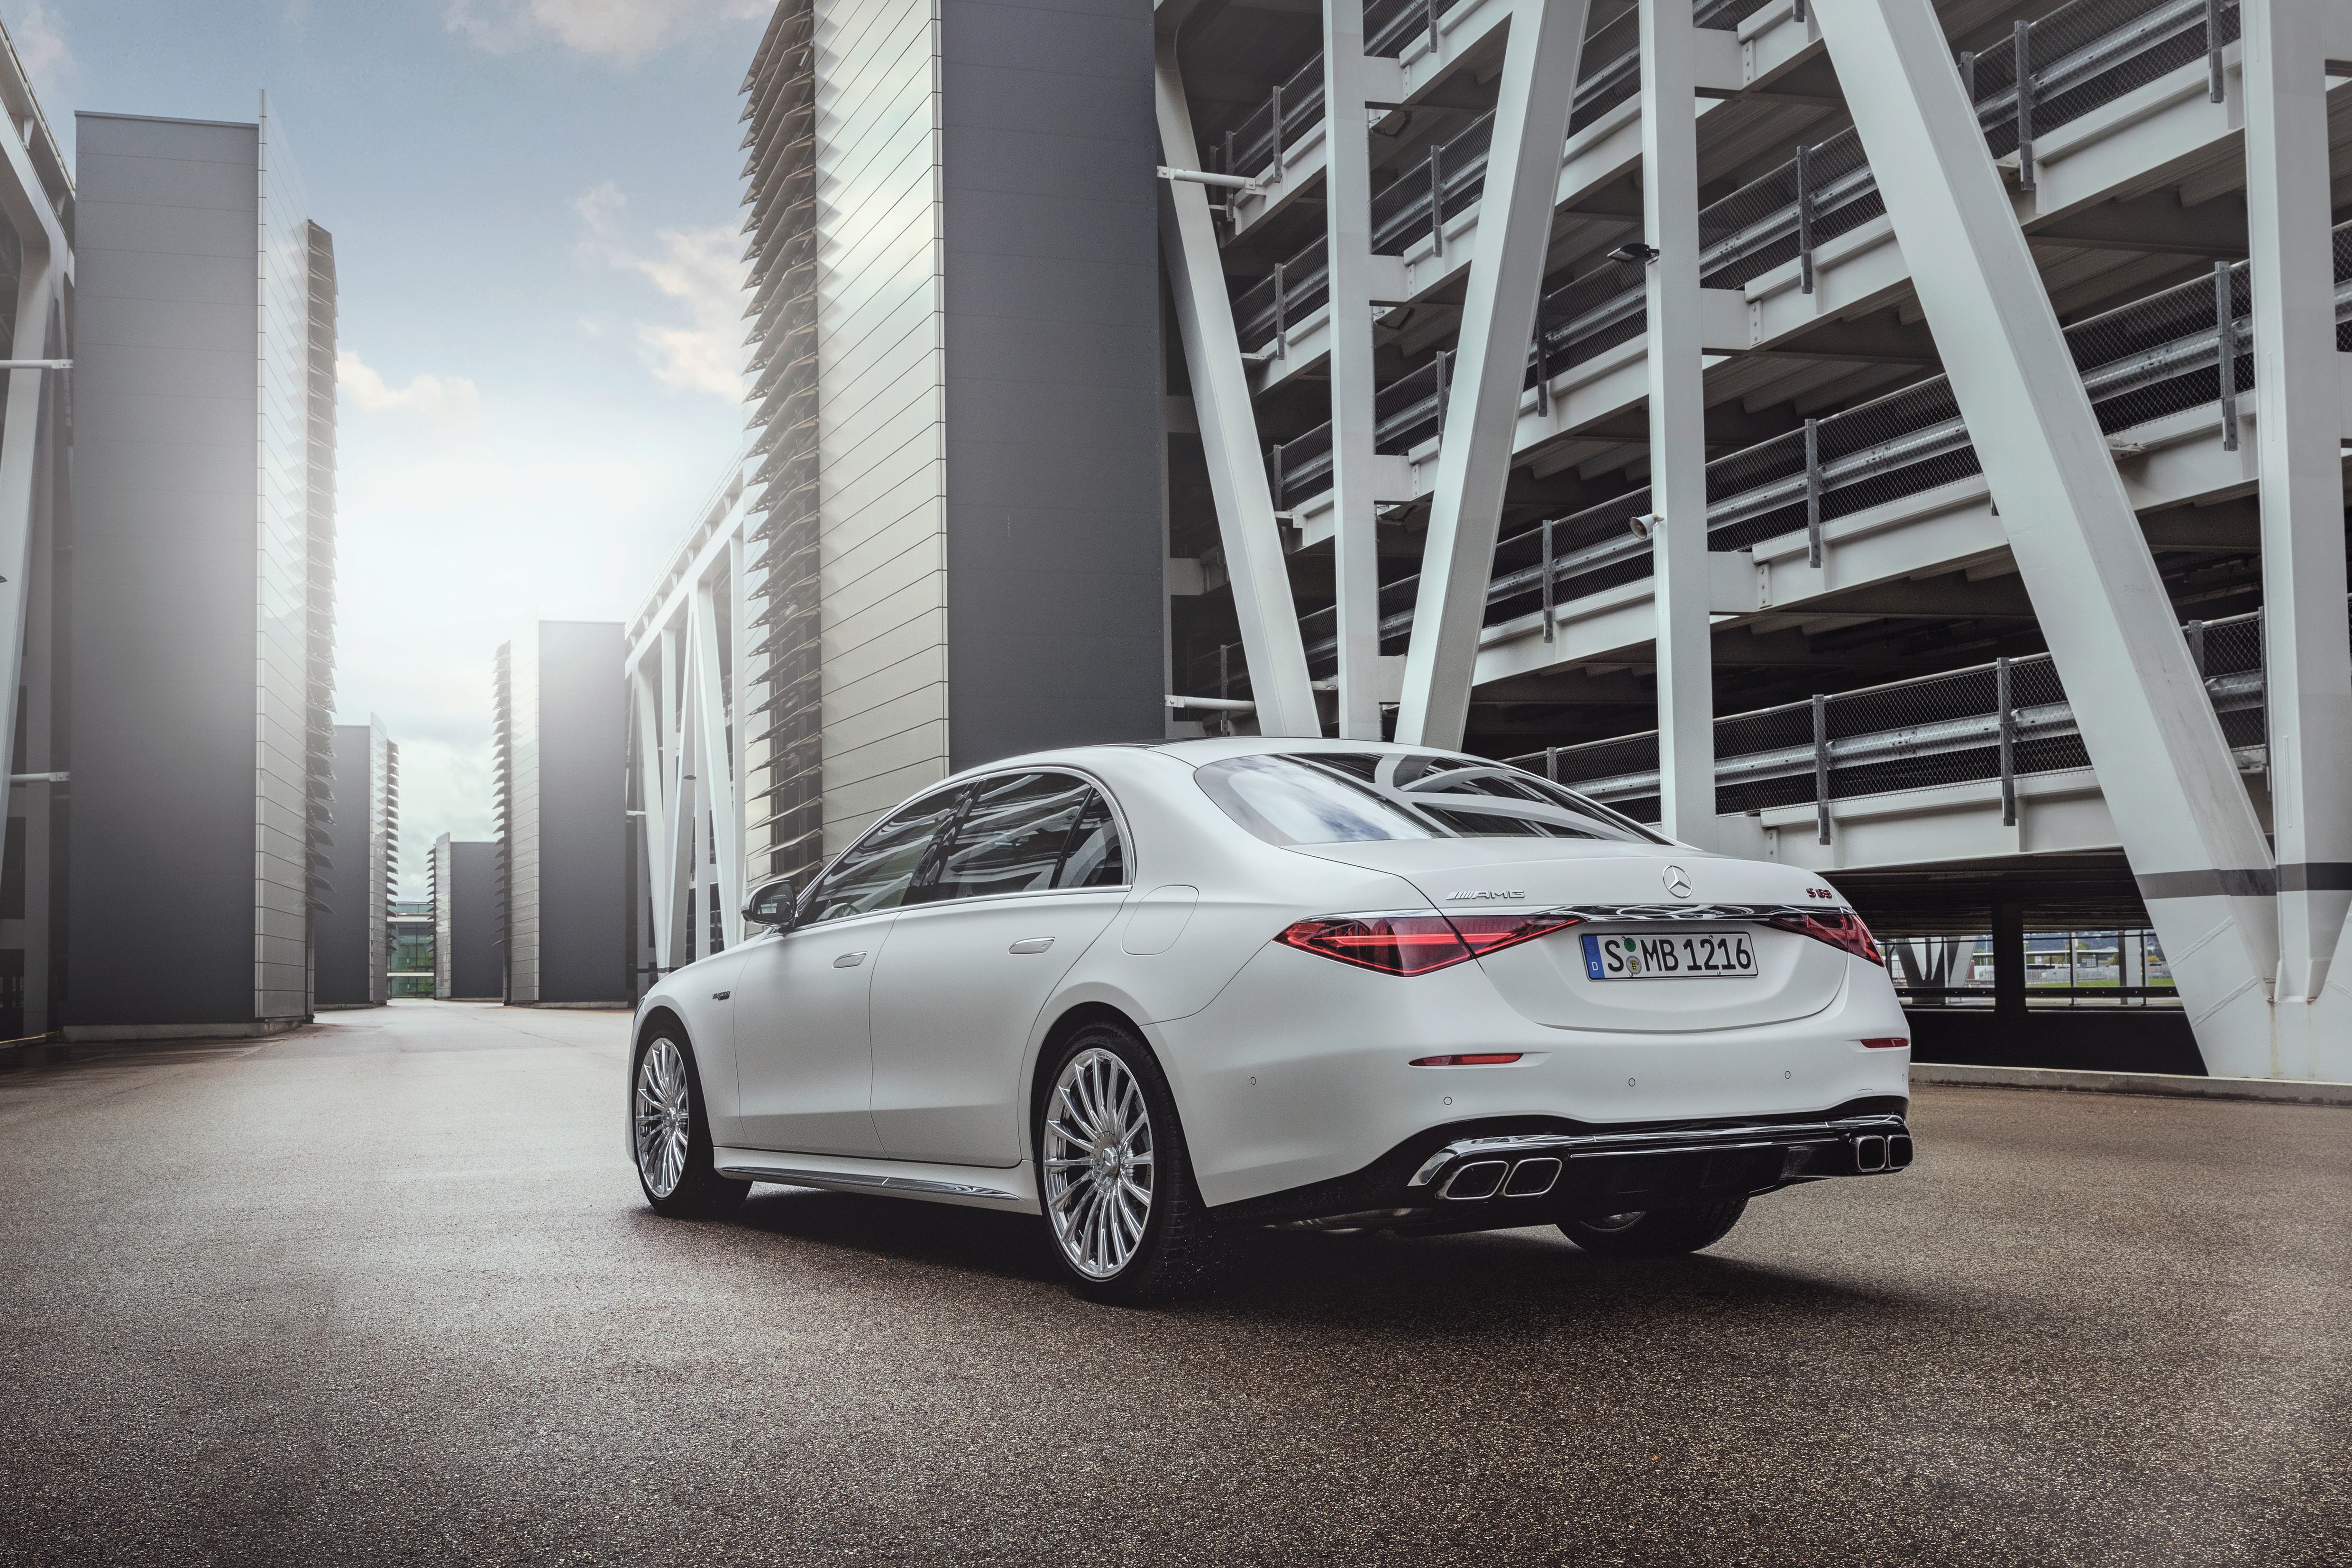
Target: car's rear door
(1034, 874)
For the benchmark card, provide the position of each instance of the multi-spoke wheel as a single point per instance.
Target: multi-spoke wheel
(1098, 1175)
(671, 1134)
(1117, 1186)
(1656, 1233)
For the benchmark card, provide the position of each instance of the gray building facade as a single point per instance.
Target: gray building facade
(955, 280)
(354, 937)
(557, 742)
(468, 963)
(202, 610)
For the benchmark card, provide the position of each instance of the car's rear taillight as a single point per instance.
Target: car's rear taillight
(1417, 942)
(1840, 928)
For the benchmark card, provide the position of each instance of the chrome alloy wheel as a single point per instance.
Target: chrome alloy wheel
(1099, 1164)
(665, 1117)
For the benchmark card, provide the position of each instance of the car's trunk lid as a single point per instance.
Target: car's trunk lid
(1624, 889)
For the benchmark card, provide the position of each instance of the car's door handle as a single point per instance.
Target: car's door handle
(849, 961)
(1031, 944)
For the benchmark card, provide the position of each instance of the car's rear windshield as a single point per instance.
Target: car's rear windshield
(1345, 797)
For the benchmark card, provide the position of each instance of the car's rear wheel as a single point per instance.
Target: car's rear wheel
(1113, 1174)
(1656, 1233)
(670, 1129)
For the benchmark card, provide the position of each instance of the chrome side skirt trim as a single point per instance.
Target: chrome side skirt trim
(860, 1181)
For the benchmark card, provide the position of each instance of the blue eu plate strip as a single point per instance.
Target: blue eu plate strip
(1592, 955)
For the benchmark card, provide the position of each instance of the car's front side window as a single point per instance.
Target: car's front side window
(878, 870)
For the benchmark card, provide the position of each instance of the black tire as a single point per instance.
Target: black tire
(665, 1100)
(1176, 1250)
(1659, 1232)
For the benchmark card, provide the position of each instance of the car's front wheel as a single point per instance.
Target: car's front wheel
(1656, 1233)
(1113, 1174)
(670, 1129)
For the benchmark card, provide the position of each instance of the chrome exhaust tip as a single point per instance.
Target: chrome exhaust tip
(1869, 1152)
(1479, 1179)
(1898, 1151)
(1532, 1178)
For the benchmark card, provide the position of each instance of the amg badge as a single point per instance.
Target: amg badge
(1494, 896)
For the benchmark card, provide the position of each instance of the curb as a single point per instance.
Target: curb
(2176, 1086)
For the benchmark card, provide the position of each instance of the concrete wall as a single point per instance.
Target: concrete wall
(163, 636)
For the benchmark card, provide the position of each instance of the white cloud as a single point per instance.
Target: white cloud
(623, 31)
(455, 398)
(700, 270)
(39, 35)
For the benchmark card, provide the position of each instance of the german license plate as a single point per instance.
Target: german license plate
(1670, 955)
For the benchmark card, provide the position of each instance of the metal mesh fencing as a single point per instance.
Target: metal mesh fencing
(1999, 721)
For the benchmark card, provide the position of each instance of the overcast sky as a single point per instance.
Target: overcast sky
(535, 212)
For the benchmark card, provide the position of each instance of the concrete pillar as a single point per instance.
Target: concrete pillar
(1677, 424)
(2305, 653)
(2008, 962)
(1355, 541)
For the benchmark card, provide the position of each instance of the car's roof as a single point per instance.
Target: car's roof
(1211, 749)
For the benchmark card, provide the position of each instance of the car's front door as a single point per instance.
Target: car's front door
(803, 1040)
(1032, 875)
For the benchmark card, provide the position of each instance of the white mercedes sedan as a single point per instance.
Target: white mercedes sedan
(1155, 992)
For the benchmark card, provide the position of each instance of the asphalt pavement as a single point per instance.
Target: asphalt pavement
(385, 1291)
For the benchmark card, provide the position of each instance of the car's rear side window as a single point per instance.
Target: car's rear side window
(1011, 837)
(1024, 833)
(1094, 856)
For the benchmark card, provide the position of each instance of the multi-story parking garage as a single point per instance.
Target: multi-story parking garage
(1906, 441)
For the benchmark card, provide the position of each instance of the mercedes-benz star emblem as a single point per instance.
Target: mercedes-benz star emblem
(1677, 881)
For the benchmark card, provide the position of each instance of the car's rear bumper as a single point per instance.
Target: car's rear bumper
(1483, 1176)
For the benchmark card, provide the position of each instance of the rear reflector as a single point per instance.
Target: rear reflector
(1476, 1060)
(1416, 941)
(1888, 1042)
(1841, 928)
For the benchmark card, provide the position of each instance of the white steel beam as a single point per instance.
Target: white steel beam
(677, 767)
(1498, 315)
(715, 767)
(2305, 655)
(1204, 317)
(2188, 828)
(1685, 652)
(47, 260)
(1355, 541)
(653, 790)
